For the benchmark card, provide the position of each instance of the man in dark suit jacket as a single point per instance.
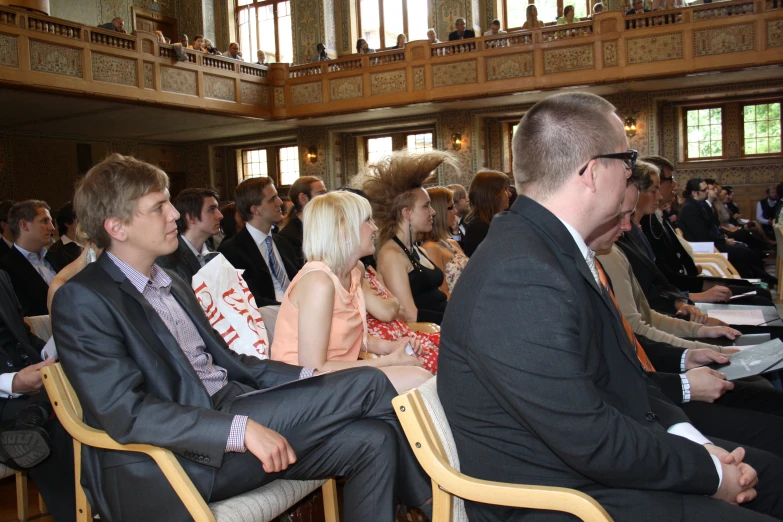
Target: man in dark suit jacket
(638, 8)
(461, 33)
(199, 220)
(30, 264)
(302, 191)
(66, 227)
(258, 204)
(6, 236)
(148, 368)
(20, 393)
(566, 402)
(116, 24)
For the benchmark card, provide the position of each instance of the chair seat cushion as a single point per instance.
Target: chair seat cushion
(265, 503)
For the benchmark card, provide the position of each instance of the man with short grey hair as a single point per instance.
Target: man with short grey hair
(461, 33)
(537, 374)
(116, 24)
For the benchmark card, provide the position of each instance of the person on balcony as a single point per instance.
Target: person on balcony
(638, 8)
(210, 47)
(461, 33)
(568, 16)
(494, 28)
(198, 44)
(401, 41)
(598, 7)
(320, 55)
(233, 52)
(432, 38)
(261, 55)
(116, 24)
(362, 47)
(532, 21)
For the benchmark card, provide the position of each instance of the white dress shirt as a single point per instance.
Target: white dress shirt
(200, 256)
(39, 262)
(260, 240)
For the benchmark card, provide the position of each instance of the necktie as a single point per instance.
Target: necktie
(204, 259)
(640, 353)
(590, 260)
(277, 271)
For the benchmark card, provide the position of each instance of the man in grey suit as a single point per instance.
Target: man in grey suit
(537, 376)
(199, 220)
(148, 368)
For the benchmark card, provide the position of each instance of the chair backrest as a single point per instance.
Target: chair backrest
(41, 326)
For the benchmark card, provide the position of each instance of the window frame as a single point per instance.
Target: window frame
(273, 168)
(382, 23)
(256, 4)
(560, 6)
(762, 101)
(399, 134)
(684, 130)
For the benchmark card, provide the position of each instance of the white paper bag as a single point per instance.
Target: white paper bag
(231, 308)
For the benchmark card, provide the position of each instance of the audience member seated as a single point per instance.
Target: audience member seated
(31, 438)
(320, 53)
(199, 219)
(401, 41)
(162, 39)
(444, 252)
(531, 18)
(269, 261)
(210, 47)
(563, 402)
(6, 235)
(362, 47)
(66, 227)
(779, 206)
(323, 317)
(402, 210)
(598, 7)
(148, 368)
(462, 206)
(198, 44)
(730, 216)
(494, 28)
(432, 38)
(488, 195)
(461, 33)
(738, 233)
(638, 8)
(304, 189)
(116, 24)
(233, 52)
(261, 55)
(568, 16)
(696, 224)
(765, 210)
(31, 265)
(232, 222)
(184, 41)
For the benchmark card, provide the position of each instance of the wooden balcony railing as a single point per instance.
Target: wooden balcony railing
(49, 53)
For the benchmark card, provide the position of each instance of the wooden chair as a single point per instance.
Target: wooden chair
(424, 422)
(718, 262)
(261, 505)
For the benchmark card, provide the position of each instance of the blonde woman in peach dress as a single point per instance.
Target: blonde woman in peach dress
(323, 319)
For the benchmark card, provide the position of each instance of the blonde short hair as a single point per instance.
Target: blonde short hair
(332, 227)
(111, 189)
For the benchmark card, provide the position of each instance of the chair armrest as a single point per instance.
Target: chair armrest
(363, 356)
(424, 327)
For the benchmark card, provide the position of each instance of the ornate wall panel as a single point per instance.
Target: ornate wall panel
(456, 73)
(114, 69)
(654, 48)
(190, 18)
(724, 39)
(568, 59)
(510, 66)
(219, 88)
(113, 8)
(209, 19)
(197, 155)
(149, 76)
(418, 79)
(255, 94)
(147, 47)
(307, 17)
(279, 97)
(610, 54)
(56, 59)
(9, 50)
(775, 33)
(305, 93)
(388, 82)
(313, 137)
(346, 88)
(87, 12)
(178, 80)
(457, 122)
(635, 104)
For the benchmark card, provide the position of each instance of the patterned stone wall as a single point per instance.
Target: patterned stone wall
(9, 50)
(314, 137)
(113, 69)
(457, 122)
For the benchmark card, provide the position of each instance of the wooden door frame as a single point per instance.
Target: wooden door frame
(146, 13)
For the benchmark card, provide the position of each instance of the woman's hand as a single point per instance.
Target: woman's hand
(399, 357)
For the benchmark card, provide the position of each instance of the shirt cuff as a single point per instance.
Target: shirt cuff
(686, 430)
(306, 373)
(6, 386)
(718, 467)
(682, 361)
(236, 435)
(686, 388)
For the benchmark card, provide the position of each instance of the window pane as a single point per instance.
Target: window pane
(251, 51)
(417, 20)
(371, 23)
(378, 148)
(254, 163)
(392, 21)
(285, 35)
(244, 29)
(704, 133)
(420, 142)
(244, 2)
(580, 9)
(750, 113)
(547, 10)
(761, 131)
(266, 31)
(516, 13)
(289, 165)
(750, 147)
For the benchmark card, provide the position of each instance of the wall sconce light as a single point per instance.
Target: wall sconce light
(630, 126)
(312, 154)
(456, 141)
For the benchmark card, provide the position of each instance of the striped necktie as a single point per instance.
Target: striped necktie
(640, 353)
(277, 271)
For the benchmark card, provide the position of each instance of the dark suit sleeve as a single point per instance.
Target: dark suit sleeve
(670, 384)
(99, 362)
(251, 275)
(693, 225)
(664, 356)
(572, 419)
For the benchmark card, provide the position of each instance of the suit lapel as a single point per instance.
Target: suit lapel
(248, 245)
(30, 273)
(187, 254)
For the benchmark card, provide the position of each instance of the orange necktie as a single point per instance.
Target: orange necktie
(640, 353)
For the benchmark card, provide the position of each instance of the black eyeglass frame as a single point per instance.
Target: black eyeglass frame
(630, 155)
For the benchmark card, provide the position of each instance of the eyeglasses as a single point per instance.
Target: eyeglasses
(629, 158)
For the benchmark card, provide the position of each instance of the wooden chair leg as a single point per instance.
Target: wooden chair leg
(331, 509)
(83, 509)
(21, 495)
(441, 504)
(42, 505)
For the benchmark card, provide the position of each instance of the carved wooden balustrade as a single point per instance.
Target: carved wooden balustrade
(49, 53)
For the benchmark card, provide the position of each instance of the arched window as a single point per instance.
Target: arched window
(265, 25)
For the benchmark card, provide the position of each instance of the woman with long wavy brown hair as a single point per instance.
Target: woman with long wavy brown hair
(489, 194)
